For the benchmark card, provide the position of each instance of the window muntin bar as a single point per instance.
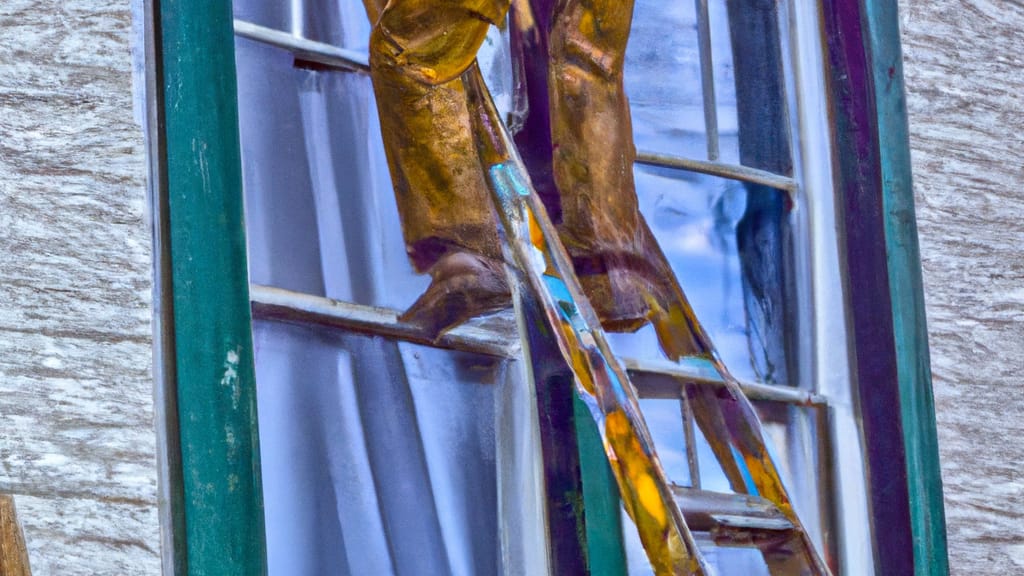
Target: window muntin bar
(707, 79)
(494, 336)
(690, 433)
(721, 169)
(303, 49)
(353, 61)
(276, 303)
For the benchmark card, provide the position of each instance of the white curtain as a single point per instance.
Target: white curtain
(379, 457)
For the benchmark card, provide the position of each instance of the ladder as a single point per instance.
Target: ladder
(557, 322)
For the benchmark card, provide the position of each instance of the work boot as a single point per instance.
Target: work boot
(463, 285)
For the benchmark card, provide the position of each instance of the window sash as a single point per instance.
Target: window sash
(192, 95)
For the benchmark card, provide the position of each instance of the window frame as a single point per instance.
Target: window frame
(211, 503)
(882, 261)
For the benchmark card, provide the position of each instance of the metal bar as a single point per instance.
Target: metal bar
(690, 432)
(331, 56)
(707, 79)
(493, 336)
(215, 376)
(730, 171)
(661, 379)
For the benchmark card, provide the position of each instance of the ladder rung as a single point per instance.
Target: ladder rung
(748, 523)
(734, 520)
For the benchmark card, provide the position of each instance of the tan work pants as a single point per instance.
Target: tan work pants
(418, 51)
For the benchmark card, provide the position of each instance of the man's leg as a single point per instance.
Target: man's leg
(418, 50)
(623, 271)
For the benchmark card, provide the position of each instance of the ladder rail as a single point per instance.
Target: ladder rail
(535, 254)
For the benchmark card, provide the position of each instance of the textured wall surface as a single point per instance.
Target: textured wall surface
(964, 64)
(78, 443)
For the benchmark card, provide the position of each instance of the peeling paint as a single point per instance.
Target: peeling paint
(230, 377)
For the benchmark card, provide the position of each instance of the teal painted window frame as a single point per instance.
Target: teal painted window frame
(206, 383)
(211, 494)
(917, 404)
(889, 332)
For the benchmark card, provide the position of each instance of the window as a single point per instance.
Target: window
(325, 251)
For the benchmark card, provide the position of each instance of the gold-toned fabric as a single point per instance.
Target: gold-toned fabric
(419, 50)
(591, 129)
(601, 226)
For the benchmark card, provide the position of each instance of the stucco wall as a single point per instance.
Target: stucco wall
(76, 434)
(964, 67)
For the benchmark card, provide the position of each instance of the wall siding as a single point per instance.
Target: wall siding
(76, 419)
(965, 78)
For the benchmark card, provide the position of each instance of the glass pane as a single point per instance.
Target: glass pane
(665, 421)
(663, 79)
(367, 442)
(281, 215)
(335, 22)
(746, 561)
(726, 561)
(320, 212)
(794, 440)
(730, 262)
(751, 85)
(277, 15)
(712, 476)
(725, 82)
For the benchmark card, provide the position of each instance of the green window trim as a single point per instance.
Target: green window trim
(889, 331)
(218, 526)
(917, 405)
